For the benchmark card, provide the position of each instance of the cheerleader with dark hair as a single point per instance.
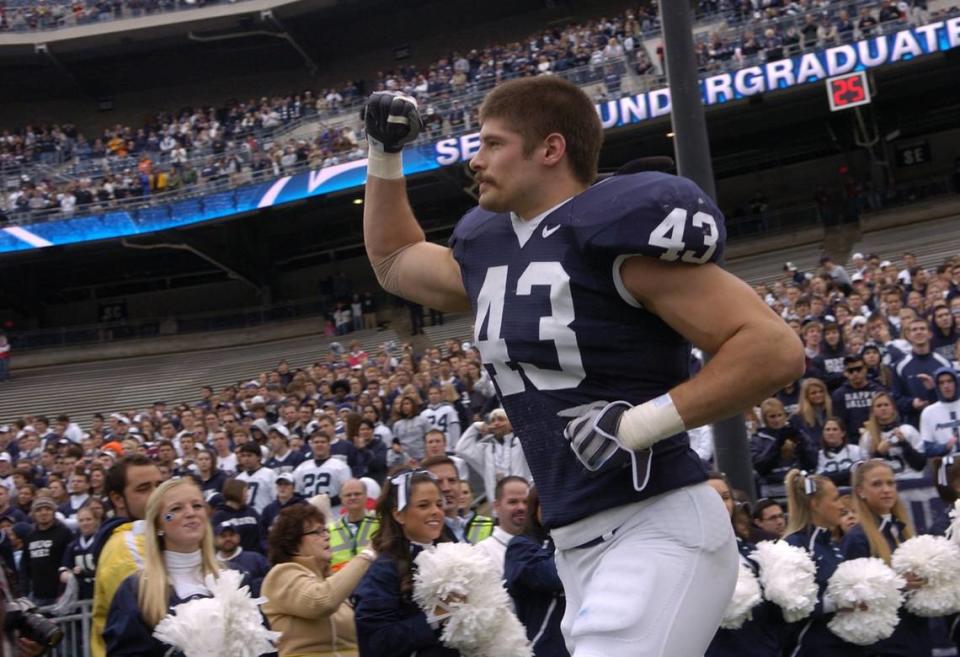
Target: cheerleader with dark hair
(761, 635)
(884, 525)
(815, 512)
(389, 623)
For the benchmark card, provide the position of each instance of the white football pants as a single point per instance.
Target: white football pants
(659, 586)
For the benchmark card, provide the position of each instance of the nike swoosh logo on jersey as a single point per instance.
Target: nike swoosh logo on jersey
(548, 231)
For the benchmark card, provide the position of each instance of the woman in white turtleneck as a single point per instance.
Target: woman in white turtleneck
(178, 555)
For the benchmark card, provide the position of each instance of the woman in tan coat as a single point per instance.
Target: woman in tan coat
(303, 603)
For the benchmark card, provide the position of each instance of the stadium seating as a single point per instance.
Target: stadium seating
(83, 389)
(931, 242)
(309, 131)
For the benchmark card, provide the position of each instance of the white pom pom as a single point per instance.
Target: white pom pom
(195, 627)
(225, 625)
(746, 596)
(869, 583)
(937, 560)
(788, 576)
(483, 624)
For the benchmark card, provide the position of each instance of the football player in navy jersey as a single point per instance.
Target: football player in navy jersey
(587, 298)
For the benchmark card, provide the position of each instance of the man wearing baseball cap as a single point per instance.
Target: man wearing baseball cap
(254, 566)
(286, 496)
(43, 551)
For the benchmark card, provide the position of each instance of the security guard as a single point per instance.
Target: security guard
(352, 532)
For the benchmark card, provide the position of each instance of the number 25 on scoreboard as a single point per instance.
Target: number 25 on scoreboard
(846, 91)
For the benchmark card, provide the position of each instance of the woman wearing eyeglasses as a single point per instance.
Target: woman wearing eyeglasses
(389, 622)
(308, 607)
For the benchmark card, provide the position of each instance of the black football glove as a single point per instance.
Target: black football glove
(391, 120)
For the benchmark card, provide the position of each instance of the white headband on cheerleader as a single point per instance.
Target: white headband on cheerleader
(403, 483)
(809, 483)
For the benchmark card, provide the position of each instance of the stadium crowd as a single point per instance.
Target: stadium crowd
(65, 170)
(882, 346)
(29, 15)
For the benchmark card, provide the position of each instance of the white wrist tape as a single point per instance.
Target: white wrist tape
(652, 421)
(384, 165)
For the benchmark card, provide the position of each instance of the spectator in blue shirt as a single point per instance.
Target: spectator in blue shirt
(914, 386)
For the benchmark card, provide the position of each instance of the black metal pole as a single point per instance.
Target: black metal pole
(692, 153)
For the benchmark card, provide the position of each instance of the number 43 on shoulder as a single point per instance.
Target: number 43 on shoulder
(669, 235)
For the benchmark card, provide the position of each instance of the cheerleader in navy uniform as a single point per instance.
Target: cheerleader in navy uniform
(884, 525)
(761, 635)
(815, 511)
(389, 623)
(947, 471)
(178, 554)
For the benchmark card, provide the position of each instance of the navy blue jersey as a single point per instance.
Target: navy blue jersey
(79, 557)
(287, 464)
(557, 328)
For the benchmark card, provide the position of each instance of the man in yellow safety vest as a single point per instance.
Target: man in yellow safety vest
(351, 532)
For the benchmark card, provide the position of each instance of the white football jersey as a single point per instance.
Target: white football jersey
(313, 478)
(261, 487)
(444, 417)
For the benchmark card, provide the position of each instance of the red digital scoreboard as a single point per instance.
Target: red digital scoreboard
(849, 90)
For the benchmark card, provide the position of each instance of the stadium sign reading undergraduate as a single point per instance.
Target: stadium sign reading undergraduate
(803, 69)
(753, 80)
(718, 89)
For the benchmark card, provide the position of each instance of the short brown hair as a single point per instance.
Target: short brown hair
(539, 106)
(115, 481)
(235, 490)
(287, 531)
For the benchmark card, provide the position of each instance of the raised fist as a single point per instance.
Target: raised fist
(391, 120)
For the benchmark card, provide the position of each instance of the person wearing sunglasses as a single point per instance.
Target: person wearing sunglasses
(305, 603)
(851, 401)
